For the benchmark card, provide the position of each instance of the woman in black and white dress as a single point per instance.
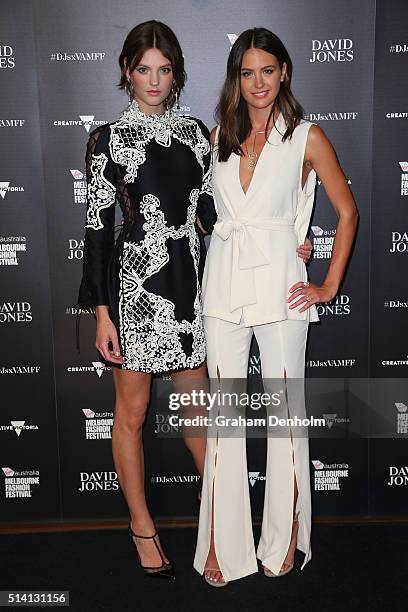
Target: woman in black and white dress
(145, 285)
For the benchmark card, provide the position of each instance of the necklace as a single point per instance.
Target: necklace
(252, 156)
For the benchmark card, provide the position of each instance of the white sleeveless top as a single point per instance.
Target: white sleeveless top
(252, 259)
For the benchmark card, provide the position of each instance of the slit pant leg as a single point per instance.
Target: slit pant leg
(282, 347)
(225, 469)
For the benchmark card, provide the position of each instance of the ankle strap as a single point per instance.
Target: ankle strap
(140, 536)
(149, 538)
(144, 537)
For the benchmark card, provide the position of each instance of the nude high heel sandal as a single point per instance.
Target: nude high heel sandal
(290, 566)
(212, 582)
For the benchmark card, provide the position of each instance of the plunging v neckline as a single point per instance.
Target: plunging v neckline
(267, 142)
(254, 172)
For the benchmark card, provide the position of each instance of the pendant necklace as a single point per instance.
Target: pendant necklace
(252, 156)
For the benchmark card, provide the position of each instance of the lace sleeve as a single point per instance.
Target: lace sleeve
(100, 219)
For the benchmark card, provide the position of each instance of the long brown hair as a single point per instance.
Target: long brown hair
(153, 35)
(232, 112)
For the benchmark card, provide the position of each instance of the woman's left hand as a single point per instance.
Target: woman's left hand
(308, 293)
(304, 250)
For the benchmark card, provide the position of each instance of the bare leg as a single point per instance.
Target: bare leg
(132, 398)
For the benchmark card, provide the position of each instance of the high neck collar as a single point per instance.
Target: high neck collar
(138, 115)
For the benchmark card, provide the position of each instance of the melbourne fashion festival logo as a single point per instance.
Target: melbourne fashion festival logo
(10, 249)
(399, 242)
(404, 178)
(19, 483)
(98, 425)
(322, 242)
(79, 186)
(7, 57)
(15, 312)
(332, 50)
(85, 121)
(75, 248)
(402, 418)
(18, 427)
(6, 187)
(329, 477)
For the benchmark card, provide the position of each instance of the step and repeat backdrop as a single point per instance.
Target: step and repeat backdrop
(58, 75)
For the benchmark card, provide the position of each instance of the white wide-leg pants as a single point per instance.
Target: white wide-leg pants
(282, 347)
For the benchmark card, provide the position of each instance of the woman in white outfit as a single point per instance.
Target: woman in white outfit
(266, 159)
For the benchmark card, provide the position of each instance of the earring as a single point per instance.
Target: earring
(130, 90)
(176, 96)
(176, 102)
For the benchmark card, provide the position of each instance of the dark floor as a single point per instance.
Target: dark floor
(362, 568)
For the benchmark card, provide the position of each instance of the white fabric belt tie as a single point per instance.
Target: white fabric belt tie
(246, 254)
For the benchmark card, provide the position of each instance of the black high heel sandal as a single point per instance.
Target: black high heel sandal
(165, 570)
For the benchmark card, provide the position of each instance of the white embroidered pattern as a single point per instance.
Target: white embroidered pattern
(150, 333)
(101, 193)
(134, 130)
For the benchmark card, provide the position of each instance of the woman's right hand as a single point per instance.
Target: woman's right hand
(105, 333)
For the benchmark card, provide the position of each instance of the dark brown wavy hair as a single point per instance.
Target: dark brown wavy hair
(231, 112)
(153, 35)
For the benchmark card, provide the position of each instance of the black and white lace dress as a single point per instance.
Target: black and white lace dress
(158, 169)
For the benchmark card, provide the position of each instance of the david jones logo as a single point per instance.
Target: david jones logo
(399, 242)
(398, 475)
(98, 481)
(332, 50)
(75, 248)
(15, 312)
(6, 57)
